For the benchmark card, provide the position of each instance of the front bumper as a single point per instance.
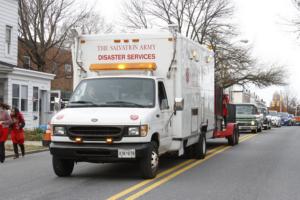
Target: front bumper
(244, 128)
(96, 152)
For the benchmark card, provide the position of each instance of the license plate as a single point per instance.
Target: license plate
(126, 153)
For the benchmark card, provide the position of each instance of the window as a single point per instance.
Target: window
(115, 92)
(162, 96)
(26, 62)
(24, 98)
(35, 99)
(68, 71)
(52, 99)
(8, 34)
(15, 95)
(20, 97)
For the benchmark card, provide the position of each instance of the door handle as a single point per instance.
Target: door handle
(157, 115)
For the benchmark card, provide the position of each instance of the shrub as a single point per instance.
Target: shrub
(34, 135)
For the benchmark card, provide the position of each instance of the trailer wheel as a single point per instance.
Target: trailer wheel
(237, 135)
(200, 147)
(232, 139)
(149, 164)
(62, 167)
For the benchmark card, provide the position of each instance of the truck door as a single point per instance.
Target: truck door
(165, 121)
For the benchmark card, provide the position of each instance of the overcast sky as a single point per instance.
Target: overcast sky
(264, 24)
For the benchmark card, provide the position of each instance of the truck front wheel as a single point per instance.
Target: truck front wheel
(200, 147)
(62, 167)
(149, 164)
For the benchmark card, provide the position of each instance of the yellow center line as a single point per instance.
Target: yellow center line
(163, 173)
(173, 175)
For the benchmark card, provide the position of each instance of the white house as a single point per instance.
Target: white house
(26, 89)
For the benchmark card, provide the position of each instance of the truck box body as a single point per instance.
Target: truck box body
(193, 80)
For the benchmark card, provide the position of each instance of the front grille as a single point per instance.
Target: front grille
(96, 133)
(244, 123)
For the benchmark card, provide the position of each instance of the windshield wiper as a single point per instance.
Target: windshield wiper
(125, 103)
(87, 103)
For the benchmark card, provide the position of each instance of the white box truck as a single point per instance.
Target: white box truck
(137, 96)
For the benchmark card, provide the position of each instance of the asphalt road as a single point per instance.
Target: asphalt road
(263, 166)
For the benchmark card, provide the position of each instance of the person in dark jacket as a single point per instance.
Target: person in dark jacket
(5, 122)
(17, 132)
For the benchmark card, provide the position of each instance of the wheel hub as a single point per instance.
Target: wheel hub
(154, 160)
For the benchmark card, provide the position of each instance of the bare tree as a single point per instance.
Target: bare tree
(208, 22)
(40, 23)
(135, 14)
(94, 23)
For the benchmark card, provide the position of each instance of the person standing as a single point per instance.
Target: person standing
(17, 132)
(5, 122)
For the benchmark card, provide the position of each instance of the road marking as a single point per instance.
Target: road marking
(173, 175)
(163, 173)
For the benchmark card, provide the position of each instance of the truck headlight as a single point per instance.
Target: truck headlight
(138, 131)
(59, 130)
(133, 131)
(252, 123)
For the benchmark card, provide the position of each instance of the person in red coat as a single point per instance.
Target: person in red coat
(5, 122)
(17, 132)
(225, 101)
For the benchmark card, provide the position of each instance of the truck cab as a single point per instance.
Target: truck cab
(248, 117)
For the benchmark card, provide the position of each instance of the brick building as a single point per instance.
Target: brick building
(58, 62)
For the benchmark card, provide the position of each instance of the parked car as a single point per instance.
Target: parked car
(248, 117)
(285, 119)
(275, 119)
(297, 120)
(264, 113)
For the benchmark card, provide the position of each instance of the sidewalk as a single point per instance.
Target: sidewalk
(30, 147)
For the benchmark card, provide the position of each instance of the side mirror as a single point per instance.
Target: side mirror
(179, 104)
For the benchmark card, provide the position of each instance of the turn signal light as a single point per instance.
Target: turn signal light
(109, 140)
(78, 140)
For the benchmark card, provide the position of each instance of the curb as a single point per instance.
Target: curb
(29, 152)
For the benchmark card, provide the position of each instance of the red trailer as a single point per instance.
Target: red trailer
(226, 125)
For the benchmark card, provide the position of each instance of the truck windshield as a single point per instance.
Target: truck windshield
(245, 110)
(114, 92)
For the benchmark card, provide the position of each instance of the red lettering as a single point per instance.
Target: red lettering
(112, 57)
(140, 56)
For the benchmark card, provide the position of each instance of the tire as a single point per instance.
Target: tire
(200, 147)
(61, 167)
(234, 138)
(259, 129)
(237, 136)
(254, 131)
(149, 164)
